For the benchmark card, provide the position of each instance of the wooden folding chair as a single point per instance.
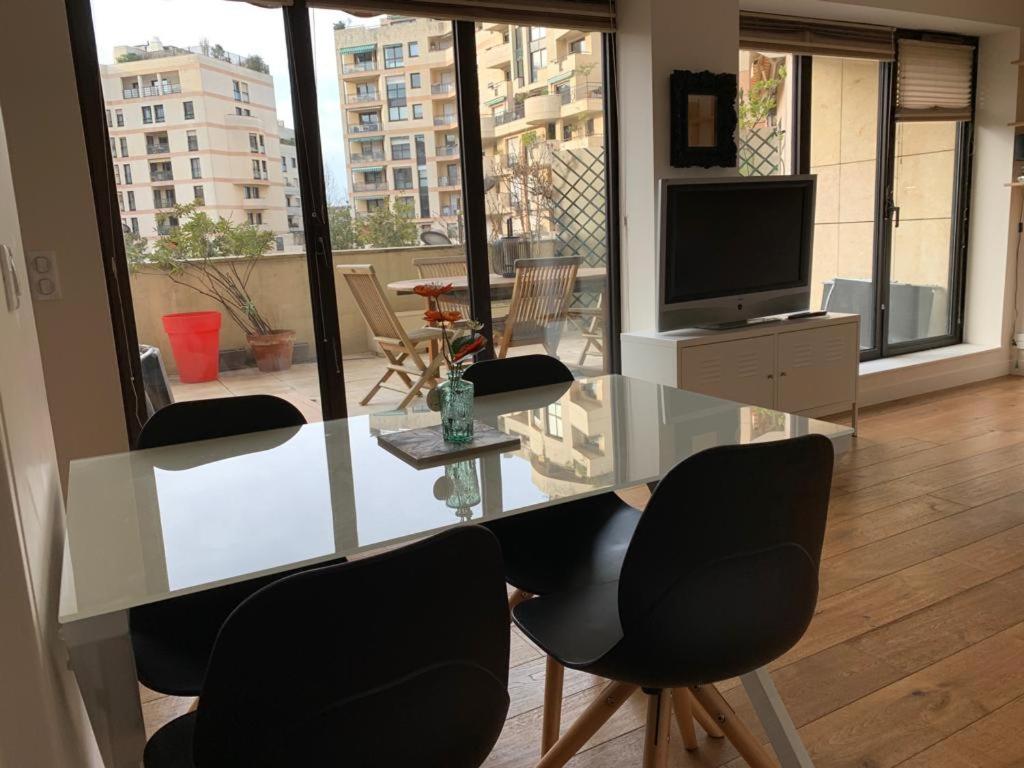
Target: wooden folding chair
(404, 350)
(540, 298)
(590, 321)
(437, 269)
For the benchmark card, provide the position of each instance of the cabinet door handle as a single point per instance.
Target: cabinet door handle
(771, 376)
(782, 374)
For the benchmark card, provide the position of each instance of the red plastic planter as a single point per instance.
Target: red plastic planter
(195, 341)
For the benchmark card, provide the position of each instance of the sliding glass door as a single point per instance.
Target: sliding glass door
(277, 180)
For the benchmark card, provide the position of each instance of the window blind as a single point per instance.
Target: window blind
(597, 15)
(934, 81)
(808, 37)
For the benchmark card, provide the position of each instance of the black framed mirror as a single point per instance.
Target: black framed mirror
(703, 119)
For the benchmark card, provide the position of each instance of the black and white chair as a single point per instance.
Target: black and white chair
(400, 659)
(172, 639)
(720, 578)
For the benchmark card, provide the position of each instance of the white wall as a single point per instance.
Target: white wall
(42, 723)
(54, 195)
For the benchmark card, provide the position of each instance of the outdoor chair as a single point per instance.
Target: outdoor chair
(407, 352)
(540, 298)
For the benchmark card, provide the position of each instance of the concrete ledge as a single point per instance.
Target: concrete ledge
(918, 373)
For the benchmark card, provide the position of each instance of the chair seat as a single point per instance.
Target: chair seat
(171, 746)
(576, 627)
(566, 546)
(426, 333)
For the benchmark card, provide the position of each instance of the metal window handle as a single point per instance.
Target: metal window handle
(896, 216)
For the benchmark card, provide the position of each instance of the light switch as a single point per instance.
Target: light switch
(43, 276)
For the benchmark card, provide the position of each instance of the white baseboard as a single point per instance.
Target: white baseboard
(964, 364)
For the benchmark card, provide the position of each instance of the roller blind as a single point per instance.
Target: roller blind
(808, 37)
(934, 81)
(596, 15)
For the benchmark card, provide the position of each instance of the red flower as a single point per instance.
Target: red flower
(437, 316)
(432, 290)
(469, 349)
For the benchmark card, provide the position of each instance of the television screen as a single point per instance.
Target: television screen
(734, 239)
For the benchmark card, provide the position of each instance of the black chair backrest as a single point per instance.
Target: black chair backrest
(721, 575)
(492, 377)
(192, 420)
(396, 660)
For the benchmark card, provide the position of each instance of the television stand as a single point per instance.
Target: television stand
(806, 366)
(730, 325)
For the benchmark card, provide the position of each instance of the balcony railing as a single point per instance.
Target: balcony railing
(160, 201)
(442, 88)
(445, 120)
(452, 180)
(507, 117)
(158, 148)
(447, 150)
(161, 90)
(369, 186)
(442, 45)
(365, 157)
(401, 153)
(403, 185)
(161, 175)
(354, 98)
(359, 66)
(449, 210)
(364, 127)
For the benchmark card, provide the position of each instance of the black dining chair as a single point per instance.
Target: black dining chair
(721, 578)
(172, 639)
(400, 659)
(560, 547)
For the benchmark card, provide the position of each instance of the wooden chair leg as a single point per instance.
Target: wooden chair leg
(659, 718)
(554, 678)
(706, 721)
(516, 598)
(733, 728)
(682, 702)
(587, 724)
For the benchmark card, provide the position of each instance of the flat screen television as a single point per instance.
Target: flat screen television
(733, 249)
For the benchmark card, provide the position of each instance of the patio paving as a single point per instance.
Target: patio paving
(301, 386)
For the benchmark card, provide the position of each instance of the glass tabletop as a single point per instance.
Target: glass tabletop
(146, 525)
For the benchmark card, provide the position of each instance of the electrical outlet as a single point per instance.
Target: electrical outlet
(43, 275)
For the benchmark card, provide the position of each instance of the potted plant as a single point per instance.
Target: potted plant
(216, 258)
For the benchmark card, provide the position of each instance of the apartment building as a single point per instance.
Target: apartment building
(400, 123)
(290, 179)
(195, 124)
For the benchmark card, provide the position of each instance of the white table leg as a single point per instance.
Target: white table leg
(101, 656)
(776, 720)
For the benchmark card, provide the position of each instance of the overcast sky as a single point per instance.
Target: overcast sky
(243, 29)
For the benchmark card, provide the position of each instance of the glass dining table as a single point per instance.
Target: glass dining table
(151, 525)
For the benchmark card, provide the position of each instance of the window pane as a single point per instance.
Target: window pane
(544, 165)
(844, 129)
(185, 105)
(766, 109)
(919, 282)
(393, 185)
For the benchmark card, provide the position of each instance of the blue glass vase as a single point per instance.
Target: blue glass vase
(456, 396)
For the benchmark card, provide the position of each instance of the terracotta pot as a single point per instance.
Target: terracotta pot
(273, 351)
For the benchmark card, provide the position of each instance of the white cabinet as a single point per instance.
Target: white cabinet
(741, 370)
(806, 366)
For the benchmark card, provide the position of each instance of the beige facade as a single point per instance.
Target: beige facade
(540, 89)
(193, 125)
(290, 179)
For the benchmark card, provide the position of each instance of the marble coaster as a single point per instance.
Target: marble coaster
(424, 447)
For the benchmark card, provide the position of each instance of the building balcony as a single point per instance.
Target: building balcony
(585, 98)
(359, 67)
(250, 122)
(442, 89)
(151, 90)
(445, 120)
(545, 108)
(495, 57)
(449, 210)
(362, 98)
(368, 156)
(158, 148)
(504, 118)
(162, 202)
(369, 186)
(364, 128)
(253, 203)
(486, 128)
(161, 175)
(447, 150)
(451, 180)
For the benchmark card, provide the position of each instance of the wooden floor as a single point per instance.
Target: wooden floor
(916, 655)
